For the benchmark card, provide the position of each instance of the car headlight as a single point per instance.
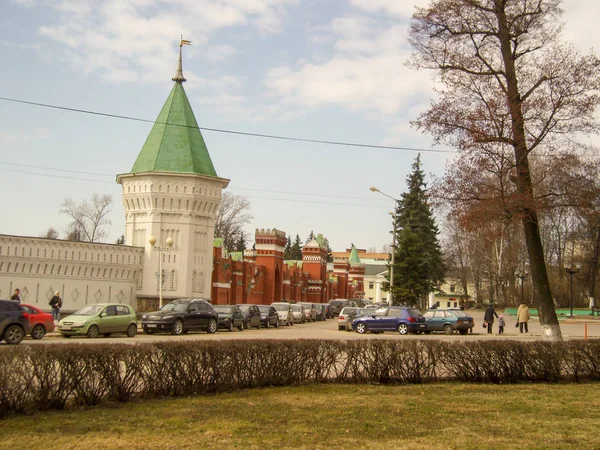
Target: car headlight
(167, 317)
(79, 324)
(144, 317)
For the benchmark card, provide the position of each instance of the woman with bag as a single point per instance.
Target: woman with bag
(488, 318)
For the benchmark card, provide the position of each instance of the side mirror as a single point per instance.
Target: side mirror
(102, 314)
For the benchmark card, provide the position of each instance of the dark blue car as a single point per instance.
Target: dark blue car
(402, 320)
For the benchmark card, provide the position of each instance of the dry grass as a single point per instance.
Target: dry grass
(444, 415)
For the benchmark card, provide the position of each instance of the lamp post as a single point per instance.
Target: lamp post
(522, 276)
(169, 244)
(572, 271)
(391, 297)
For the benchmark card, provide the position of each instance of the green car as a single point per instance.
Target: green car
(101, 318)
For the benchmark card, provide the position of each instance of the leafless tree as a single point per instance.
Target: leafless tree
(50, 233)
(507, 81)
(90, 218)
(233, 214)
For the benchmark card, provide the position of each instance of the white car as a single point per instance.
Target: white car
(343, 317)
(299, 314)
(284, 312)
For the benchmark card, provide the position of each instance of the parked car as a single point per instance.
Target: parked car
(230, 317)
(448, 321)
(343, 317)
(321, 309)
(251, 316)
(298, 313)
(400, 319)
(14, 322)
(268, 316)
(284, 312)
(180, 316)
(41, 322)
(353, 314)
(336, 306)
(309, 311)
(100, 318)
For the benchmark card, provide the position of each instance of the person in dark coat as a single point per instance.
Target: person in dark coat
(488, 318)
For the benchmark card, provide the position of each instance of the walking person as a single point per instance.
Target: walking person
(16, 296)
(523, 317)
(488, 318)
(501, 324)
(56, 304)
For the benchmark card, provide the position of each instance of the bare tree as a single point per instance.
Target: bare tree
(90, 218)
(50, 233)
(508, 81)
(233, 214)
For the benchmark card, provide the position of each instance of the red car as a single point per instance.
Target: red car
(41, 322)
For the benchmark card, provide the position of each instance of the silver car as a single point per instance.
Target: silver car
(310, 313)
(299, 314)
(285, 313)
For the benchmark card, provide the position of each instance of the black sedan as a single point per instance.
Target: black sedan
(268, 316)
(251, 316)
(230, 317)
(180, 316)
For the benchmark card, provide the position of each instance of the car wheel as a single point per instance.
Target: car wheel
(38, 331)
(403, 329)
(14, 334)
(106, 335)
(93, 331)
(361, 328)
(131, 330)
(177, 328)
(277, 324)
(68, 336)
(241, 327)
(448, 329)
(147, 331)
(212, 326)
(230, 326)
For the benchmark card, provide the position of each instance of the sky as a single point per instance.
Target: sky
(319, 69)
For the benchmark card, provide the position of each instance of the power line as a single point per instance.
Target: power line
(220, 130)
(56, 176)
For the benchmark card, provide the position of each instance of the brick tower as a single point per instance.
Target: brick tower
(314, 262)
(270, 245)
(357, 274)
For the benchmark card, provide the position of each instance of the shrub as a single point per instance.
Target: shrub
(54, 376)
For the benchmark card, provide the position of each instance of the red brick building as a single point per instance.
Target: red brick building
(263, 277)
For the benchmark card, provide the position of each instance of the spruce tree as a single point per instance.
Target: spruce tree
(311, 237)
(287, 252)
(329, 251)
(296, 252)
(241, 244)
(419, 266)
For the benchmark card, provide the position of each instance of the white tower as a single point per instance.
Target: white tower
(173, 191)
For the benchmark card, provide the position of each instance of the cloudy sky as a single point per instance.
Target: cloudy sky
(320, 69)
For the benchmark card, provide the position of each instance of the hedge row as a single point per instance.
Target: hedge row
(44, 377)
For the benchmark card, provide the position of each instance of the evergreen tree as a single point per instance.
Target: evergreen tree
(296, 250)
(419, 263)
(121, 240)
(287, 253)
(311, 237)
(329, 251)
(241, 243)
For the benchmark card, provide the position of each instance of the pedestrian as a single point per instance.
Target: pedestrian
(523, 317)
(488, 318)
(56, 304)
(501, 324)
(16, 296)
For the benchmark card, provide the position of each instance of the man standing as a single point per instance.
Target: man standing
(488, 318)
(56, 303)
(16, 296)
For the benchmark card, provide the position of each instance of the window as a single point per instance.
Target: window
(111, 310)
(122, 310)
(371, 285)
(452, 288)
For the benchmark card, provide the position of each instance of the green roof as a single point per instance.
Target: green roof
(175, 143)
(354, 259)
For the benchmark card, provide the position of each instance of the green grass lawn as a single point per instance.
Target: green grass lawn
(445, 415)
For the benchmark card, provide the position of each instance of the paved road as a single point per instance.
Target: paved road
(329, 330)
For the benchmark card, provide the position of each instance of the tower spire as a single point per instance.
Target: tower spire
(179, 78)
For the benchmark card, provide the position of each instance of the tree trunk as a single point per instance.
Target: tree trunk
(539, 276)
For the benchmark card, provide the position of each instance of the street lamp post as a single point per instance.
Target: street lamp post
(572, 271)
(169, 244)
(391, 296)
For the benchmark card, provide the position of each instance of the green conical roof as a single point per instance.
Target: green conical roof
(175, 143)
(354, 259)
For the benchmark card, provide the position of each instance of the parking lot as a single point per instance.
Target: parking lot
(329, 330)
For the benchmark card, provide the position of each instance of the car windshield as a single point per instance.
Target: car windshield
(280, 307)
(413, 312)
(175, 306)
(264, 309)
(245, 308)
(223, 309)
(90, 310)
(296, 308)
